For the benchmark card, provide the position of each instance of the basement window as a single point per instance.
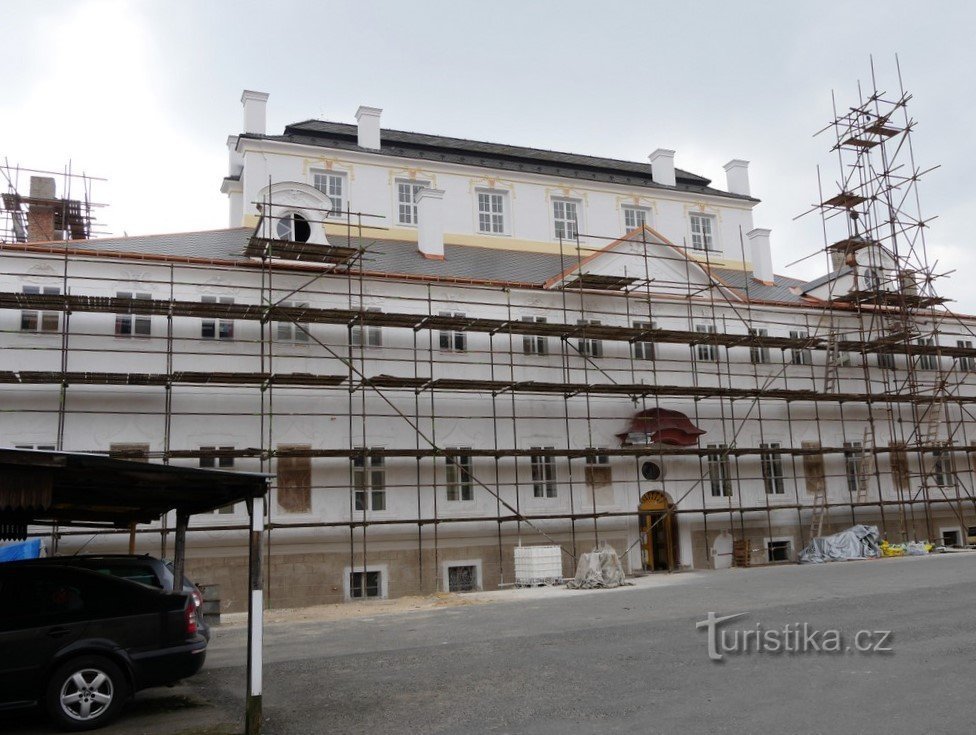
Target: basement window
(778, 551)
(462, 578)
(364, 584)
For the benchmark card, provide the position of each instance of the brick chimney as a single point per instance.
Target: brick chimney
(40, 215)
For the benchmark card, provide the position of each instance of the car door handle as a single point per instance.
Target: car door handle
(58, 632)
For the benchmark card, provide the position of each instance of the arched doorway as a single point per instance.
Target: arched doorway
(658, 532)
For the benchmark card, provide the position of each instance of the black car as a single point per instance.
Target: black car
(140, 568)
(80, 643)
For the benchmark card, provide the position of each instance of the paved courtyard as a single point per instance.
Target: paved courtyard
(622, 661)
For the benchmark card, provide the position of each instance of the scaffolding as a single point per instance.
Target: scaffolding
(863, 362)
(41, 215)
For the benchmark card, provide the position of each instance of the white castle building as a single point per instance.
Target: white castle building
(444, 349)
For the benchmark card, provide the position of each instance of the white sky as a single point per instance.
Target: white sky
(145, 94)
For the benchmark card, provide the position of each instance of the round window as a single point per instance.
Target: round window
(293, 227)
(651, 471)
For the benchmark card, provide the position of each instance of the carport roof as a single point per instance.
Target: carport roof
(45, 486)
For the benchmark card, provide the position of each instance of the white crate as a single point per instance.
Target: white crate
(538, 565)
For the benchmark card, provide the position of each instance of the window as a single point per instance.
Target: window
(217, 458)
(759, 355)
(942, 472)
(369, 481)
(634, 218)
(491, 212)
(564, 219)
(294, 479)
(589, 347)
(651, 471)
(778, 551)
(927, 361)
(704, 351)
(543, 475)
(886, 360)
(535, 344)
(453, 340)
(407, 201)
(217, 328)
(458, 476)
(333, 186)
(719, 470)
(702, 232)
(643, 350)
(800, 355)
(598, 472)
(364, 584)
(368, 335)
(292, 331)
(853, 463)
(966, 362)
(41, 447)
(129, 325)
(293, 226)
(462, 578)
(873, 278)
(32, 320)
(772, 468)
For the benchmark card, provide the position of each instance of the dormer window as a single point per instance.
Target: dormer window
(294, 227)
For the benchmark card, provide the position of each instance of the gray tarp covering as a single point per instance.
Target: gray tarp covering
(600, 568)
(857, 542)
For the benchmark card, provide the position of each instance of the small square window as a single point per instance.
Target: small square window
(702, 232)
(364, 584)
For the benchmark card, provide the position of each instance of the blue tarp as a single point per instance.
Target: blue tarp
(30, 549)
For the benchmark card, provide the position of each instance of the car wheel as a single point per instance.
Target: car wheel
(86, 693)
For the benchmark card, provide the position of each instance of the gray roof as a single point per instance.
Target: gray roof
(492, 155)
(817, 282)
(401, 258)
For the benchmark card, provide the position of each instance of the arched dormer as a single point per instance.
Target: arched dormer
(293, 211)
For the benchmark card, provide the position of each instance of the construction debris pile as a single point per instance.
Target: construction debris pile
(600, 568)
(856, 542)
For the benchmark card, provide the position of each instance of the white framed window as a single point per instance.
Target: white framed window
(772, 468)
(333, 185)
(535, 344)
(294, 227)
(365, 584)
(34, 320)
(966, 362)
(759, 355)
(853, 462)
(369, 481)
(491, 212)
(407, 200)
(368, 335)
(543, 474)
(643, 350)
(719, 470)
(702, 231)
(217, 328)
(292, 331)
(458, 475)
(927, 361)
(705, 351)
(634, 217)
(565, 219)
(800, 355)
(453, 340)
(587, 346)
(132, 325)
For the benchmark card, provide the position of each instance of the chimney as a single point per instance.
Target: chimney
(40, 216)
(737, 177)
(368, 119)
(662, 166)
(762, 257)
(430, 223)
(255, 111)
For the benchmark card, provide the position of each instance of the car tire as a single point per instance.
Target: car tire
(85, 693)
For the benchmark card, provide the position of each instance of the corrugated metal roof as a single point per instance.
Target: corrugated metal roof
(492, 155)
(227, 244)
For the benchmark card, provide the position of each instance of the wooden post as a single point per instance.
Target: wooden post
(179, 549)
(255, 621)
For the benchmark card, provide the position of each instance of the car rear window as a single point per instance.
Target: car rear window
(141, 575)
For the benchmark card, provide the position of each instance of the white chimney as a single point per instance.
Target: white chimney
(255, 109)
(762, 257)
(368, 119)
(662, 166)
(430, 223)
(737, 177)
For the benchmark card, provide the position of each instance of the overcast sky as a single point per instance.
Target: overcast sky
(145, 93)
